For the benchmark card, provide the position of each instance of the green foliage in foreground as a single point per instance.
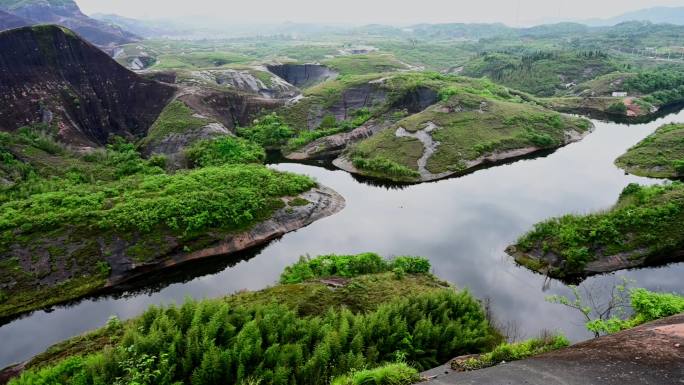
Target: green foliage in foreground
(210, 342)
(647, 306)
(351, 266)
(645, 221)
(507, 352)
(390, 374)
(224, 150)
(661, 154)
(224, 197)
(385, 167)
(268, 131)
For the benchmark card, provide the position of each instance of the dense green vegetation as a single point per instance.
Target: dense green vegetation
(646, 306)
(269, 131)
(390, 374)
(383, 167)
(239, 340)
(643, 224)
(507, 352)
(71, 209)
(224, 150)
(349, 266)
(227, 196)
(625, 308)
(661, 154)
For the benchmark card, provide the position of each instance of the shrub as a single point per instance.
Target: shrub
(229, 197)
(390, 374)
(540, 139)
(617, 108)
(224, 150)
(385, 166)
(678, 166)
(647, 306)
(644, 218)
(350, 266)
(507, 352)
(268, 131)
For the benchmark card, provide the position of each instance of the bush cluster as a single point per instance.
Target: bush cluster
(646, 217)
(268, 131)
(210, 342)
(647, 306)
(385, 166)
(507, 352)
(228, 196)
(224, 150)
(351, 266)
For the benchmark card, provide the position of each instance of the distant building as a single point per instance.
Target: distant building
(570, 85)
(619, 94)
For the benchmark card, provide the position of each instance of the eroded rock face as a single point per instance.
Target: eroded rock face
(303, 75)
(231, 109)
(246, 81)
(48, 74)
(68, 14)
(417, 100)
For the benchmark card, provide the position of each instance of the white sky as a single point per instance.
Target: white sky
(512, 12)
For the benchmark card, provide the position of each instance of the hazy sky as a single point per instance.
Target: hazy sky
(512, 12)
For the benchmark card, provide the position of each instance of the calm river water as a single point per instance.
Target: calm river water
(463, 225)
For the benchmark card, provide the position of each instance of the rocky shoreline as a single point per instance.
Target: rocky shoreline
(297, 212)
(324, 202)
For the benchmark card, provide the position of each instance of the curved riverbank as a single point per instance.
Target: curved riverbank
(463, 225)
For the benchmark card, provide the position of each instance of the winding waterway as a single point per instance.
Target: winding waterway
(463, 225)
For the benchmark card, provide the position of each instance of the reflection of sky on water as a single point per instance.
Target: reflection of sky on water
(462, 224)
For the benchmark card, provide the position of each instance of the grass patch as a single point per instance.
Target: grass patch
(384, 167)
(643, 223)
(351, 266)
(176, 117)
(508, 352)
(224, 150)
(660, 155)
(390, 374)
(372, 63)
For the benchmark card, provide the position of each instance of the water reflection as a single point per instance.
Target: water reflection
(462, 224)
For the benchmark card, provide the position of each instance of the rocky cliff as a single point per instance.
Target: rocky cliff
(50, 75)
(67, 14)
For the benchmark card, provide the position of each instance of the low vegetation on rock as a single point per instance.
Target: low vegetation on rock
(642, 227)
(507, 352)
(660, 155)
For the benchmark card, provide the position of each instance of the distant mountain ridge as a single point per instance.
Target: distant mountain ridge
(65, 13)
(656, 15)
